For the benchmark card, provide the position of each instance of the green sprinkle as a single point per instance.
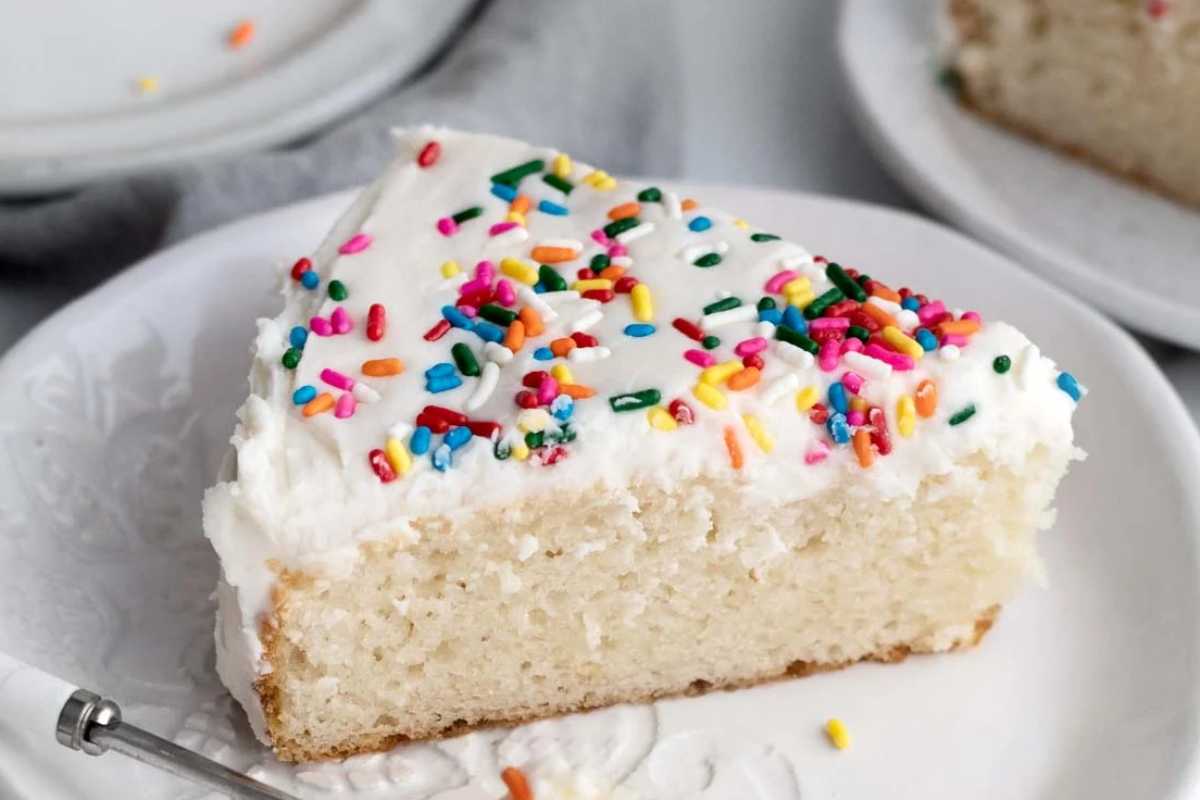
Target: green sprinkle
(466, 214)
(962, 416)
(562, 184)
(862, 280)
(710, 342)
(708, 260)
(785, 334)
(566, 433)
(501, 450)
(497, 314)
(550, 278)
(724, 304)
(841, 280)
(817, 307)
(513, 176)
(598, 262)
(766, 304)
(291, 358)
(632, 401)
(763, 237)
(613, 229)
(1002, 364)
(534, 439)
(337, 291)
(465, 359)
(858, 332)
(650, 195)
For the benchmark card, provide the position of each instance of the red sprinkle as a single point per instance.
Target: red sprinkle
(477, 298)
(863, 320)
(584, 339)
(818, 413)
(879, 430)
(527, 399)
(625, 284)
(603, 295)
(429, 155)
(820, 260)
(301, 266)
(485, 428)
(435, 424)
(753, 360)
(376, 322)
(437, 331)
(585, 273)
(379, 463)
(688, 328)
(448, 414)
(549, 456)
(829, 334)
(841, 309)
(682, 412)
(534, 379)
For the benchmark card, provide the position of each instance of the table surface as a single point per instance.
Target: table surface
(769, 111)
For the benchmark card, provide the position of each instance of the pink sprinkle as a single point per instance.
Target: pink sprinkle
(505, 293)
(856, 418)
(467, 310)
(827, 359)
(337, 380)
(853, 382)
(547, 390)
(320, 326)
(599, 237)
(617, 250)
(355, 244)
(700, 358)
(340, 320)
(501, 227)
(816, 453)
(956, 339)
(829, 323)
(345, 406)
(477, 285)
(972, 315)
(748, 347)
(852, 345)
(780, 279)
(930, 310)
(485, 271)
(447, 226)
(899, 361)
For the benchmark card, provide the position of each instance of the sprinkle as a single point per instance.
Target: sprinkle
(589, 354)
(710, 396)
(147, 84)
(562, 346)
(926, 339)
(440, 370)
(465, 359)
(898, 341)
(687, 328)
(519, 270)
(795, 320)
(718, 374)
(457, 318)
(838, 277)
(748, 347)
(337, 380)
(355, 244)
(320, 326)
(792, 337)
(301, 266)
(758, 433)
(543, 354)
(381, 466)
(516, 783)
(241, 35)
(304, 395)
(562, 407)
(550, 278)
(838, 427)
(853, 382)
(962, 415)
(442, 458)
(949, 352)
(723, 304)
(502, 227)
(708, 260)
(906, 415)
(397, 455)
(835, 729)
(376, 322)
(735, 449)
(763, 237)
(806, 398)
(882, 318)
(643, 303)
(513, 175)
(630, 209)
(514, 336)
(382, 367)
(827, 323)
(345, 406)
(639, 330)
(871, 368)
(298, 336)
(926, 398)
(699, 224)
(671, 205)
(363, 393)
(577, 391)
(721, 318)
(898, 361)
(817, 307)
(798, 358)
(588, 320)
(548, 207)
(337, 291)
(1001, 364)
(837, 397)
(533, 420)
(862, 448)
(962, 327)
(633, 234)
(549, 254)
(443, 383)
(531, 320)
(700, 358)
(661, 419)
(457, 437)
(419, 443)
(817, 453)
(429, 155)
(497, 314)
(776, 282)
(780, 387)
(744, 379)
(1068, 383)
(438, 330)
(340, 321)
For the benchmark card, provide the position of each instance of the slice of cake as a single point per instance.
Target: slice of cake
(526, 439)
(1116, 82)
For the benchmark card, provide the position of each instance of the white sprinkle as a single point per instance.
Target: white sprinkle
(633, 234)
(364, 393)
(781, 387)
(796, 356)
(886, 305)
(535, 301)
(556, 297)
(568, 244)
(526, 547)
(722, 318)
(908, 319)
(765, 329)
(950, 352)
(621, 261)
(496, 352)
(671, 205)
(586, 354)
(485, 387)
(866, 366)
(400, 430)
(794, 262)
(509, 237)
(1027, 361)
(532, 420)
(588, 320)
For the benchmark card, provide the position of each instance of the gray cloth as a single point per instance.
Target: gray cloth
(597, 79)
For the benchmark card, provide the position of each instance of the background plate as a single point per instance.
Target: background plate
(117, 411)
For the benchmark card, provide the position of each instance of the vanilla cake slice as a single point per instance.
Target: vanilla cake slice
(526, 439)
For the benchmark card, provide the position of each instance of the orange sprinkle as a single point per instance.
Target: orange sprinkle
(518, 786)
(688, 204)
(553, 255)
(382, 367)
(879, 315)
(734, 448)
(926, 398)
(885, 292)
(560, 347)
(241, 35)
(576, 391)
(744, 379)
(532, 320)
(862, 448)
(612, 272)
(630, 209)
(858, 403)
(322, 402)
(514, 338)
(520, 204)
(962, 327)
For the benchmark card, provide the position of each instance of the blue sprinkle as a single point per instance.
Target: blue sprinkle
(457, 318)
(795, 320)
(440, 370)
(304, 394)
(562, 407)
(639, 329)
(700, 224)
(543, 354)
(838, 428)
(457, 437)
(926, 339)
(489, 332)
(771, 315)
(911, 303)
(539, 288)
(1066, 381)
(837, 397)
(441, 458)
(443, 383)
(419, 442)
(546, 207)
(298, 336)
(504, 192)
(309, 279)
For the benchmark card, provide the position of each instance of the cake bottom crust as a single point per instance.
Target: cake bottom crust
(371, 743)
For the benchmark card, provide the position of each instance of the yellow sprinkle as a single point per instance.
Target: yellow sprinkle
(516, 268)
(516, 216)
(600, 180)
(397, 455)
(449, 269)
(591, 283)
(835, 729)
(801, 299)
(710, 396)
(896, 338)
(520, 451)
(741, 223)
(906, 415)
(806, 398)
(562, 374)
(661, 418)
(643, 303)
(758, 433)
(858, 403)
(532, 420)
(561, 166)
(800, 284)
(719, 373)
(147, 84)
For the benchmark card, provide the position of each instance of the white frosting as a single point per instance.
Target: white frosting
(305, 494)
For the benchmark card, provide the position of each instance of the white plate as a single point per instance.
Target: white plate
(118, 408)
(70, 111)
(1128, 251)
